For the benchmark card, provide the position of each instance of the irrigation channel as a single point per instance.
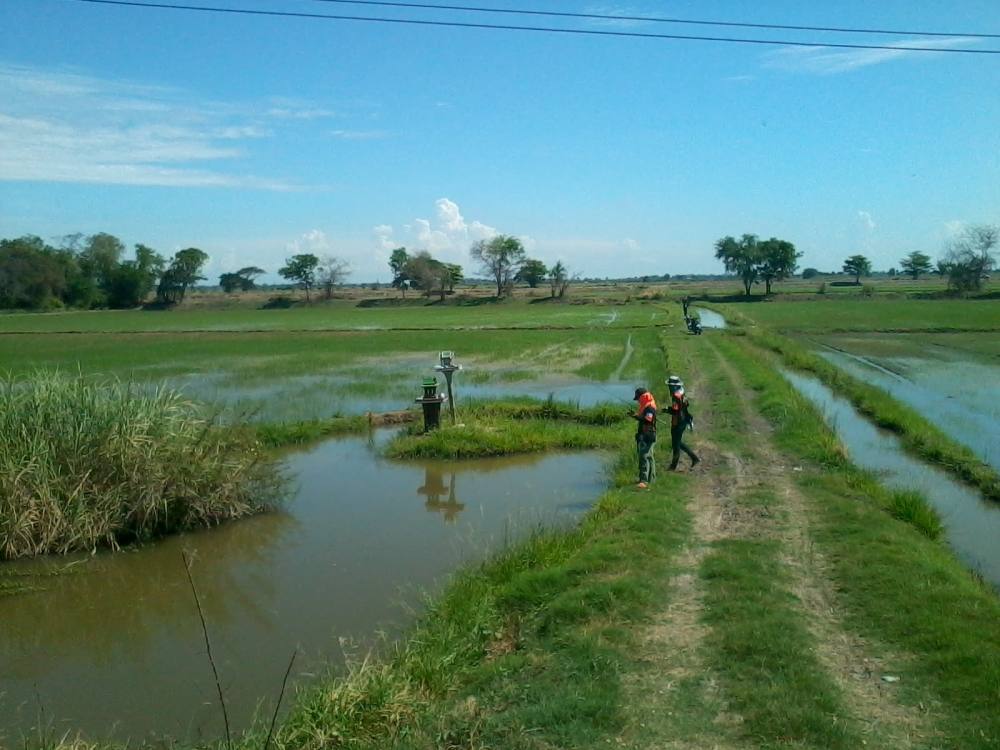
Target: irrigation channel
(709, 318)
(959, 395)
(114, 648)
(972, 523)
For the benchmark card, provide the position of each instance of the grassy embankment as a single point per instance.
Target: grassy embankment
(89, 465)
(898, 587)
(918, 435)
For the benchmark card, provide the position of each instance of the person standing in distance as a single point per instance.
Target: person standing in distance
(680, 420)
(645, 435)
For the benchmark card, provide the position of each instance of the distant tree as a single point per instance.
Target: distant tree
(778, 261)
(809, 273)
(741, 257)
(969, 258)
(131, 281)
(532, 272)
(858, 266)
(331, 272)
(500, 257)
(31, 275)
(455, 275)
(892, 273)
(397, 263)
(915, 264)
(240, 281)
(184, 270)
(559, 279)
(428, 274)
(301, 269)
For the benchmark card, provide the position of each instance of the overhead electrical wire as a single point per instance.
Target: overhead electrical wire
(658, 19)
(543, 29)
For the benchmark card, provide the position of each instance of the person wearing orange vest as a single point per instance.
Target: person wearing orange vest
(680, 420)
(645, 435)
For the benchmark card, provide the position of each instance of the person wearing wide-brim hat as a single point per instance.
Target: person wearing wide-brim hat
(645, 435)
(680, 420)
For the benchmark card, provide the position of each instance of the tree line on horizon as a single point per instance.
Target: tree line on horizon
(502, 258)
(966, 263)
(89, 272)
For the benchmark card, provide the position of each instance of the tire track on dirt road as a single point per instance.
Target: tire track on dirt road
(855, 666)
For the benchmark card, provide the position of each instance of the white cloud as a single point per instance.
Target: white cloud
(383, 237)
(954, 227)
(314, 241)
(867, 222)
(828, 60)
(64, 126)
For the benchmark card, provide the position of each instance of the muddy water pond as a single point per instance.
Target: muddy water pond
(959, 395)
(114, 648)
(972, 524)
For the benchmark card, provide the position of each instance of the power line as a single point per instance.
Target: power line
(544, 29)
(657, 19)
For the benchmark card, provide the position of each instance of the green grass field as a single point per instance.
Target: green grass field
(831, 315)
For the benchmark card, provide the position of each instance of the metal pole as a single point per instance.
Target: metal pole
(451, 399)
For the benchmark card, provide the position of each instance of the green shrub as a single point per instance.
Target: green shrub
(86, 464)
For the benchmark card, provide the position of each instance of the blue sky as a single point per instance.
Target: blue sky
(254, 138)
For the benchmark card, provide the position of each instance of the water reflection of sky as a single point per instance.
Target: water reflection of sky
(972, 523)
(118, 649)
(709, 318)
(961, 397)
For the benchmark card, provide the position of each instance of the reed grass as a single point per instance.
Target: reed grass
(87, 464)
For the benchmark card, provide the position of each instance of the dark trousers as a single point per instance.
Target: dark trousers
(677, 444)
(647, 464)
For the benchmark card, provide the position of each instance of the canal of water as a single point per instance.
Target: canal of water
(709, 318)
(115, 648)
(960, 396)
(972, 523)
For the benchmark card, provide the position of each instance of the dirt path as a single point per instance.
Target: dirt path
(676, 678)
(673, 644)
(851, 662)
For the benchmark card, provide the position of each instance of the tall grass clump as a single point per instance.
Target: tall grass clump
(87, 464)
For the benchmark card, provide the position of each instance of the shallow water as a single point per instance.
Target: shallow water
(320, 396)
(116, 649)
(709, 318)
(972, 524)
(960, 396)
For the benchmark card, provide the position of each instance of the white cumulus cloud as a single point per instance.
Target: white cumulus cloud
(448, 235)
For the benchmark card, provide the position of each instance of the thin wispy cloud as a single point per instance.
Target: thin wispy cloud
(830, 60)
(613, 10)
(360, 135)
(65, 126)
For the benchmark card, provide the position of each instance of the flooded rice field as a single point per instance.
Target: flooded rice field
(959, 391)
(319, 396)
(114, 647)
(972, 524)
